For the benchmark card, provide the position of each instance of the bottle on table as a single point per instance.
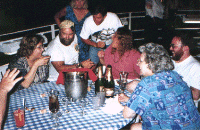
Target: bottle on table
(100, 82)
(109, 83)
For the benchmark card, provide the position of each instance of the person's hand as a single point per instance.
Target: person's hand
(87, 64)
(101, 44)
(123, 98)
(8, 80)
(42, 61)
(101, 54)
(132, 85)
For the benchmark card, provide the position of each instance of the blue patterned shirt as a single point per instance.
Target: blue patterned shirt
(164, 101)
(83, 48)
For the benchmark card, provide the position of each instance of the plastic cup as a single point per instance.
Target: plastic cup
(19, 117)
(101, 95)
(96, 102)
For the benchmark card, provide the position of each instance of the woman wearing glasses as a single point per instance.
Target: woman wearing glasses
(161, 98)
(29, 60)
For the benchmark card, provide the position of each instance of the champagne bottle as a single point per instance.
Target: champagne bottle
(109, 85)
(100, 82)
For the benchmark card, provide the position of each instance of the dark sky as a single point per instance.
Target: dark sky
(18, 15)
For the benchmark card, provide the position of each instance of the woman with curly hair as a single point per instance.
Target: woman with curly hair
(121, 54)
(161, 98)
(29, 60)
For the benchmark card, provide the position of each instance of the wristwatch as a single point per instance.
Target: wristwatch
(79, 65)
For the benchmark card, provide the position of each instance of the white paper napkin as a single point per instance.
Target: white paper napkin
(112, 106)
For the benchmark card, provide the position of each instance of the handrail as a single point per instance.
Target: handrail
(126, 18)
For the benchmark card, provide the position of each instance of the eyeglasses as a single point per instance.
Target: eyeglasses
(40, 47)
(139, 61)
(173, 46)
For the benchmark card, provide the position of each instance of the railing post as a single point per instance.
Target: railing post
(53, 31)
(129, 21)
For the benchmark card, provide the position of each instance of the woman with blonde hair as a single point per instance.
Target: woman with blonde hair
(77, 12)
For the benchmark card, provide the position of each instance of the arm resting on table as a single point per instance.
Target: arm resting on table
(60, 66)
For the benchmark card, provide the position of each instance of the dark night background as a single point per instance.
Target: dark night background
(16, 15)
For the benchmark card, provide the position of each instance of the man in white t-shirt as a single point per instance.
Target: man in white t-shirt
(185, 64)
(64, 51)
(98, 29)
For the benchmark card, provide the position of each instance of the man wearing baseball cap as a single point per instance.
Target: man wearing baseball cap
(64, 51)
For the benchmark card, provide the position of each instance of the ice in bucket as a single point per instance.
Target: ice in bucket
(19, 117)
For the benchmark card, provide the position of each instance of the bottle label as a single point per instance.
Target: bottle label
(109, 92)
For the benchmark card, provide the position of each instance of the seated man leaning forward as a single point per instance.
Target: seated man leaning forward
(161, 98)
(64, 51)
(101, 25)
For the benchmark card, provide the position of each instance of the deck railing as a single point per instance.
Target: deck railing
(9, 43)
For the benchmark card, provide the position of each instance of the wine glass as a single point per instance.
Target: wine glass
(66, 101)
(54, 106)
(83, 103)
(123, 80)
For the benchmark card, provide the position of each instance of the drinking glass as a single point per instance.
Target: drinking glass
(66, 101)
(83, 103)
(54, 105)
(101, 96)
(19, 117)
(123, 80)
(96, 101)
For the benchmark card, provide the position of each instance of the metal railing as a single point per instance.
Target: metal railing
(11, 40)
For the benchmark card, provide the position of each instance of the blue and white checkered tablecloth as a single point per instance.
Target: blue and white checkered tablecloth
(94, 119)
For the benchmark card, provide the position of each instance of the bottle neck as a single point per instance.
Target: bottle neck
(109, 75)
(100, 74)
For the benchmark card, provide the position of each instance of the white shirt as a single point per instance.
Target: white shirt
(157, 9)
(60, 52)
(189, 69)
(111, 21)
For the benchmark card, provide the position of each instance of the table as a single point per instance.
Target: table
(95, 119)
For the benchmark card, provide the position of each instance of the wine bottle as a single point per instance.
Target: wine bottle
(100, 82)
(109, 85)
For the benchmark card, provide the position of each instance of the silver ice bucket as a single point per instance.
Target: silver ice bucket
(76, 84)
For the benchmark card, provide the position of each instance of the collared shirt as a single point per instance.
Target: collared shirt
(164, 101)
